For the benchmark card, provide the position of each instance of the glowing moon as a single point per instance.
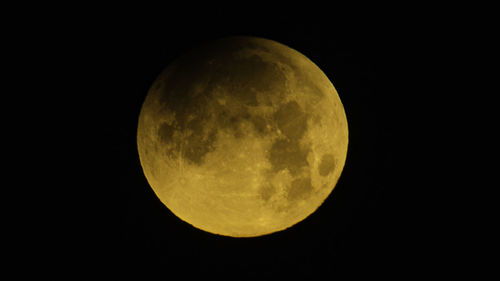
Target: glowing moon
(242, 137)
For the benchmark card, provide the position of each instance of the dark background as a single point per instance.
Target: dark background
(364, 228)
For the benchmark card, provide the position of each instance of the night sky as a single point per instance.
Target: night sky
(361, 229)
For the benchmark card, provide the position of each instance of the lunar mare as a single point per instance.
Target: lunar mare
(242, 137)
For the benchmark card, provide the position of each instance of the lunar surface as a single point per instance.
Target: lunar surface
(242, 137)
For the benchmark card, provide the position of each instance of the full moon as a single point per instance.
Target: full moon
(242, 137)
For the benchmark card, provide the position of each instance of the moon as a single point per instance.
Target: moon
(242, 137)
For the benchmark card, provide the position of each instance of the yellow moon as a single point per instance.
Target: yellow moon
(242, 137)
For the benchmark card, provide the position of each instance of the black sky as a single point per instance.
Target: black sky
(363, 228)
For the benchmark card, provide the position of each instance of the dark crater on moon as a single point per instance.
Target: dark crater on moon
(291, 120)
(300, 189)
(327, 164)
(287, 154)
(165, 132)
(266, 191)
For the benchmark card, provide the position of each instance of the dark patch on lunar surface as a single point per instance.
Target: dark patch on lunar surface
(286, 154)
(225, 119)
(327, 164)
(165, 132)
(252, 72)
(300, 188)
(197, 146)
(222, 116)
(194, 145)
(260, 125)
(266, 191)
(291, 120)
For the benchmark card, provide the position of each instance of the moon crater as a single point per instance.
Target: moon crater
(327, 164)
